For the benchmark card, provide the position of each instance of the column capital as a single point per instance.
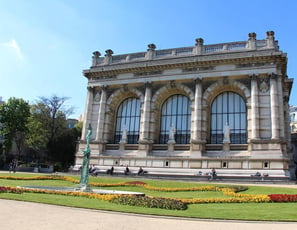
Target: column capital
(148, 84)
(273, 76)
(198, 80)
(103, 87)
(254, 77)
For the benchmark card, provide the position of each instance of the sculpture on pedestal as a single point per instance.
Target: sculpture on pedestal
(171, 138)
(226, 133)
(84, 176)
(124, 135)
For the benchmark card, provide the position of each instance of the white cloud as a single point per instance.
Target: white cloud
(16, 48)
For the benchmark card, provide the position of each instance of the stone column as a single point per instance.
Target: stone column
(274, 107)
(197, 111)
(196, 142)
(144, 141)
(88, 112)
(254, 108)
(101, 115)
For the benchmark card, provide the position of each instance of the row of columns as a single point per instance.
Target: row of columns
(144, 131)
(276, 107)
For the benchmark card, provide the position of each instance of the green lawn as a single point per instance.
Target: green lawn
(243, 211)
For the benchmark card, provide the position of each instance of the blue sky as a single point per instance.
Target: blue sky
(45, 45)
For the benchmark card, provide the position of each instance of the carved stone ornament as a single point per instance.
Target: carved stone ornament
(199, 42)
(172, 84)
(97, 96)
(264, 86)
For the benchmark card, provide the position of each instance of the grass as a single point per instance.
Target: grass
(238, 211)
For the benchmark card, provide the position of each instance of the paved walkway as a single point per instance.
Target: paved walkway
(19, 215)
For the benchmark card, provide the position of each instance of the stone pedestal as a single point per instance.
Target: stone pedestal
(171, 144)
(197, 148)
(144, 148)
(101, 148)
(226, 146)
(122, 145)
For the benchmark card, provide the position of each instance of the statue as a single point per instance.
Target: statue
(84, 176)
(171, 133)
(226, 133)
(124, 135)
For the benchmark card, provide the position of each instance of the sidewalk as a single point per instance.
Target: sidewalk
(18, 215)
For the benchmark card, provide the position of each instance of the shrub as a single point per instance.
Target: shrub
(237, 188)
(150, 202)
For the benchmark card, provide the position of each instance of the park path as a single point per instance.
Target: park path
(19, 215)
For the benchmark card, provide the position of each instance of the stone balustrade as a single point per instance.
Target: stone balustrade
(198, 49)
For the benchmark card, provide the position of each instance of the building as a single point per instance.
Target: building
(221, 106)
(71, 122)
(293, 119)
(293, 126)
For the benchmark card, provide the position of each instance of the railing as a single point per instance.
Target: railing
(183, 51)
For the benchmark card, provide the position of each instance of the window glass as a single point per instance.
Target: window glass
(228, 108)
(128, 117)
(176, 112)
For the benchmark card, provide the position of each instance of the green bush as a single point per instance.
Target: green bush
(150, 202)
(237, 188)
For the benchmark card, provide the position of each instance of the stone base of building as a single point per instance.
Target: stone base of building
(239, 161)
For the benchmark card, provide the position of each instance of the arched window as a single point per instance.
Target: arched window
(128, 120)
(176, 113)
(229, 108)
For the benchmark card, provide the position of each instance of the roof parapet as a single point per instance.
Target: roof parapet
(199, 49)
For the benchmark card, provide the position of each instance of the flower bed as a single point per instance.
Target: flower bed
(231, 191)
(283, 198)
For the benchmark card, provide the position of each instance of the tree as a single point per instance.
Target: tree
(50, 114)
(14, 116)
(36, 138)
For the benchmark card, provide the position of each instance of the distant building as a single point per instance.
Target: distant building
(293, 119)
(293, 126)
(71, 123)
(221, 106)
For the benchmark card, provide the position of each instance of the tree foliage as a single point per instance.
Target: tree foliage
(49, 120)
(36, 138)
(41, 127)
(14, 116)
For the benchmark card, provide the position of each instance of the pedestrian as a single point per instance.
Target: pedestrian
(140, 171)
(13, 166)
(213, 174)
(127, 170)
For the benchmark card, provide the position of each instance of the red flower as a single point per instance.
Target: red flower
(283, 198)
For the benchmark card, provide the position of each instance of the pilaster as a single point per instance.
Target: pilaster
(101, 119)
(88, 112)
(196, 143)
(274, 108)
(254, 108)
(144, 141)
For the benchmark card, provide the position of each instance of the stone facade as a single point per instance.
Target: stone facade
(207, 106)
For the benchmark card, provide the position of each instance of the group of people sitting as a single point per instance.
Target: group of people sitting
(95, 171)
